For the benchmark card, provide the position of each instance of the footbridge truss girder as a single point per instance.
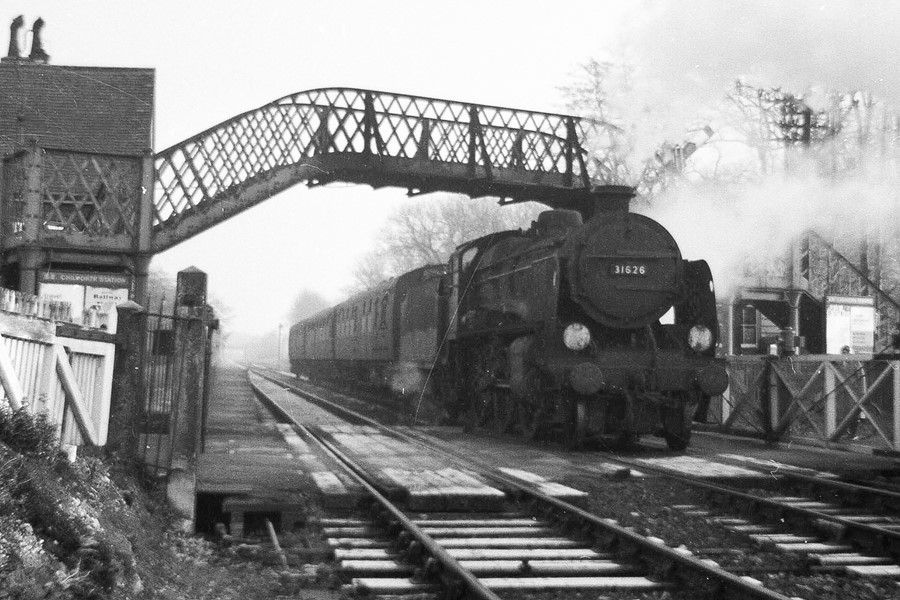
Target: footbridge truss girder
(367, 137)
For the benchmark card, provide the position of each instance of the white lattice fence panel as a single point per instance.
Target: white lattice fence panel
(91, 364)
(68, 379)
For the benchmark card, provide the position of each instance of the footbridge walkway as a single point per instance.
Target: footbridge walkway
(368, 137)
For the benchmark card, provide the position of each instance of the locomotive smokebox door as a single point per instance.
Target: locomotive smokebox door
(624, 269)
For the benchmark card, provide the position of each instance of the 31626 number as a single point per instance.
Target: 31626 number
(628, 269)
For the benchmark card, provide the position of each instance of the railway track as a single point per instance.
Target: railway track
(836, 526)
(534, 542)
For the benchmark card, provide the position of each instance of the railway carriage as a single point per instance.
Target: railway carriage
(387, 335)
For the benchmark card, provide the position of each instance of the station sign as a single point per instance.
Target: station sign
(849, 324)
(93, 296)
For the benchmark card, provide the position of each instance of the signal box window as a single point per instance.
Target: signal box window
(749, 328)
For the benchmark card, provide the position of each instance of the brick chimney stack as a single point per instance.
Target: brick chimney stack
(37, 48)
(14, 37)
(37, 55)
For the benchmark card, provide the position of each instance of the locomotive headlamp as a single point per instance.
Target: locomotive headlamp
(700, 338)
(576, 336)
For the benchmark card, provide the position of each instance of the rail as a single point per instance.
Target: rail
(680, 564)
(474, 586)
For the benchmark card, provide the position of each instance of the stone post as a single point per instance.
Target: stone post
(127, 399)
(192, 321)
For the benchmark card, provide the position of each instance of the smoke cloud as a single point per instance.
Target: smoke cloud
(733, 226)
(687, 56)
(692, 52)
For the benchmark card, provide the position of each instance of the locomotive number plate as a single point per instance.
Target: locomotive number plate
(628, 269)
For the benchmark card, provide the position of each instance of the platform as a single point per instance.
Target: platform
(254, 465)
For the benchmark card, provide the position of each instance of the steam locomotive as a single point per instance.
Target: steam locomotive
(582, 329)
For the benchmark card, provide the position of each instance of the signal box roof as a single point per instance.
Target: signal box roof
(102, 110)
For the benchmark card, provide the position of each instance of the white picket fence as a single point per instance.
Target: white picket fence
(36, 306)
(69, 379)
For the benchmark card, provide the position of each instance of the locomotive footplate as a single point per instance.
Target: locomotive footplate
(671, 371)
(624, 397)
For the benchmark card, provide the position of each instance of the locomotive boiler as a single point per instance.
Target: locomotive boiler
(578, 328)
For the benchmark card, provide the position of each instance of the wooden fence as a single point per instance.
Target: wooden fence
(68, 378)
(830, 399)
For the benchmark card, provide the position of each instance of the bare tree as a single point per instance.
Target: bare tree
(306, 304)
(161, 286)
(624, 138)
(608, 144)
(427, 231)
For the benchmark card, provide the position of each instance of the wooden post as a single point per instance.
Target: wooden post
(727, 398)
(896, 366)
(830, 400)
(126, 404)
(729, 329)
(773, 405)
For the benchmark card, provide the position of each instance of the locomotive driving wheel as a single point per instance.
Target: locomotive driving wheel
(504, 411)
(575, 431)
(481, 411)
(530, 407)
(489, 403)
(530, 419)
(677, 419)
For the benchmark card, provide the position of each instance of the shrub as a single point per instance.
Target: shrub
(27, 433)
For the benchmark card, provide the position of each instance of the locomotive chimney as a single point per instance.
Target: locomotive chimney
(609, 198)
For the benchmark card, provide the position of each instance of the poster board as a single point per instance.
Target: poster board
(850, 323)
(93, 296)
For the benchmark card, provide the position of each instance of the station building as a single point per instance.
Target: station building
(76, 183)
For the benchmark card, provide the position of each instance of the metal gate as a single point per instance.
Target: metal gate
(168, 350)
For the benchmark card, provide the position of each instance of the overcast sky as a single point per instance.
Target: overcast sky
(219, 58)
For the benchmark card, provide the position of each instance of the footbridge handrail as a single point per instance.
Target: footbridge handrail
(368, 137)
